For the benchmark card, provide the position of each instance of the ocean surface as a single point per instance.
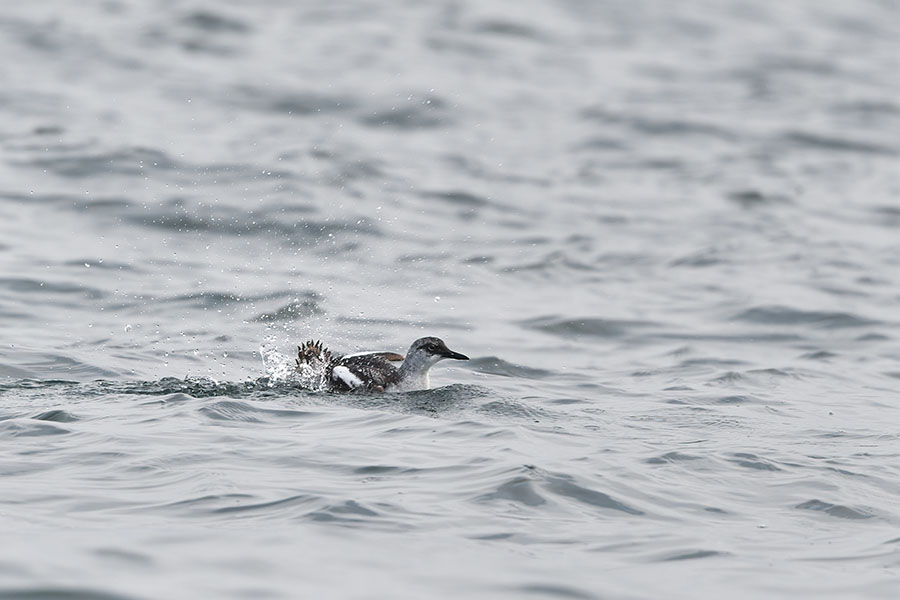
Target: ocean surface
(667, 233)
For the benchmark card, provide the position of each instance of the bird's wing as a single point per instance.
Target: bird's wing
(346, 376)
(369, 371)
(385, 354)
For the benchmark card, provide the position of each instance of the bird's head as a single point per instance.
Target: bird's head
(431, 349)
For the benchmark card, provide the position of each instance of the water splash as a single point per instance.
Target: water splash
(280, 368)
(276, 365)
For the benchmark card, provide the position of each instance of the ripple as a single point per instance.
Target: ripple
(235, 410)
(659, 126)
(286, 101)
(127, 161)
(877, 109)
(525, 489)
(266, 507)
(380, 470)
(518, 489)
(293, 311)
(206, 503)
(514, 409)
(59, 593)
(99, 263)
(692, 555)
(551, 265)
(126, 556)
(389, 322)
(704, 258)
(27, 285)
(752, 461)
(229, 410)
(352, 513)
(38, 364)
(16, 428)
(492, 365)
(819, 355)
(190, 388)
(835, 510)
(457, 198)
(37, 384)
(433, 402)
(351, 507)
(206, 20)
(57, 416)
(178, 216)
(553, 590)
(672, 457)
(737, 399)
(588, 326)
(751, 198)
(212, 299)
(508, 28)
(429, 113)
(564, 486)
(837, 144)
(83, 204)
(785, 315)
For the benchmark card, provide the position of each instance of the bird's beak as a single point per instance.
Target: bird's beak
(448, 353)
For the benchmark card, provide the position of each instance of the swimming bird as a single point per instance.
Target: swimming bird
(373, 371)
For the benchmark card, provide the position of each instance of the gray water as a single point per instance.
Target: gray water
(667, 233)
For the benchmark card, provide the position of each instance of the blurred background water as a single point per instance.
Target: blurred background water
(667, 234)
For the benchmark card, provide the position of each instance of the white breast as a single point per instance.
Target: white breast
(411, 384)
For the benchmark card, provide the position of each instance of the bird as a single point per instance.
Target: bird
(373, 371)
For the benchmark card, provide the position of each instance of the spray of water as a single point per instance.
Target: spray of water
(280, 368)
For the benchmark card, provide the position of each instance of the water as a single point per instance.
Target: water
(666, 233)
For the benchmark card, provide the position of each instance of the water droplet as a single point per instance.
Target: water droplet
(127, 328)
(437, 298)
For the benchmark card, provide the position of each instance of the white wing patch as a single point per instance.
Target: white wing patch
(347, 376)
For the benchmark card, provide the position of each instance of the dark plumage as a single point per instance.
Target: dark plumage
(373, 371)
